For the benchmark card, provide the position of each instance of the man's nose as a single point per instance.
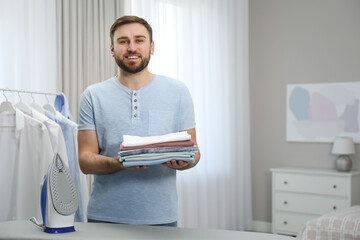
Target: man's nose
(131, 47)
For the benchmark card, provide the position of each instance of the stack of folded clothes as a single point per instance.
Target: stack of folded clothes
(140, 151)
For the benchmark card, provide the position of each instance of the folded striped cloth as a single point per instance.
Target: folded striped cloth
(149, 150)
(154, 162)
(153, 156)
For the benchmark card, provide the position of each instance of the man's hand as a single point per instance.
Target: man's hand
(136, 167)
(177, 165)
(182, 165)
(121, 166)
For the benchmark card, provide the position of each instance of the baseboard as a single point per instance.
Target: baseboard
(259, 226)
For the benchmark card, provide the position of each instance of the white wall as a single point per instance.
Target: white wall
(28, 48)
(295, 41)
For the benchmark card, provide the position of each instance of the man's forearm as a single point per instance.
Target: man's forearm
(93, 163)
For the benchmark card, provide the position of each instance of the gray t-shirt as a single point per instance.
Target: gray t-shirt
(163, 106)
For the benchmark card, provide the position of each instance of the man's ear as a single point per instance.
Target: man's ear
(112, 49)
(152, 48)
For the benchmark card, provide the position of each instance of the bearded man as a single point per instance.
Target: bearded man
(140, 103)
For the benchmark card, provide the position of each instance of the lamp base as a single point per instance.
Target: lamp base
(343, 163)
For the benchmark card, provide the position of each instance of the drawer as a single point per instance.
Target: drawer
(291, 223)
(311, 204)
(307, 183)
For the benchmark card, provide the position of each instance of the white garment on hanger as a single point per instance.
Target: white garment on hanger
(26, 153)
(56, 135)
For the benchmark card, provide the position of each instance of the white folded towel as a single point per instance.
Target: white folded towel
(134, 141)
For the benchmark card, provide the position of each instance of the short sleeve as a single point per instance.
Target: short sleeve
(86, 112)
(187, 114)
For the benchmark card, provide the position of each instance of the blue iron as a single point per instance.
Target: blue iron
(59, 200)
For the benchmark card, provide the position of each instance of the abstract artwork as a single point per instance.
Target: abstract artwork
(320, 112)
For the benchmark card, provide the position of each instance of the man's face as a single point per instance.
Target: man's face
(132, 47)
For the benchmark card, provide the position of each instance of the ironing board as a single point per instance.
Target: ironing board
(27, 230)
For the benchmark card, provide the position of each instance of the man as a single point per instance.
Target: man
(136, 102)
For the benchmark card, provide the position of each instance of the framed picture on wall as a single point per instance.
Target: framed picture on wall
(321, 112)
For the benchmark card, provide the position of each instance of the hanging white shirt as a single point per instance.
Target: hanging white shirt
(56, 135)
(26, 153)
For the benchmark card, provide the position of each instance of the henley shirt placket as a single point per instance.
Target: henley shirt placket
(135, 113)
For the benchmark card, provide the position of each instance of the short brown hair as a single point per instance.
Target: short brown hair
(126, 20)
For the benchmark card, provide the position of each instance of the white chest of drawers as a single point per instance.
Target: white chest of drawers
(299, 195)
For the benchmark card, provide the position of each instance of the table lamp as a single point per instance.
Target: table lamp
(343, 146)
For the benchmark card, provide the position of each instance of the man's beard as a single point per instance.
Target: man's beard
(132, 67)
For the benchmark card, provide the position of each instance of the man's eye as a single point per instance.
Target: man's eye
(139, 40)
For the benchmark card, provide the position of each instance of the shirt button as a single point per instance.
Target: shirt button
(135, 107)
(135, 100)
(135, 115)
(135, 94)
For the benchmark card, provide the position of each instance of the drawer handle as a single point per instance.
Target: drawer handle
(285, 182)
(285, 202)
(334, 207)
(334, 186)
(285, 222)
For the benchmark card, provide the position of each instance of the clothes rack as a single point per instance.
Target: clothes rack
(31, 92)
(28, 141)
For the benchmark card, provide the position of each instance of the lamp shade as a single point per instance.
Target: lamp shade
(343, 146)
